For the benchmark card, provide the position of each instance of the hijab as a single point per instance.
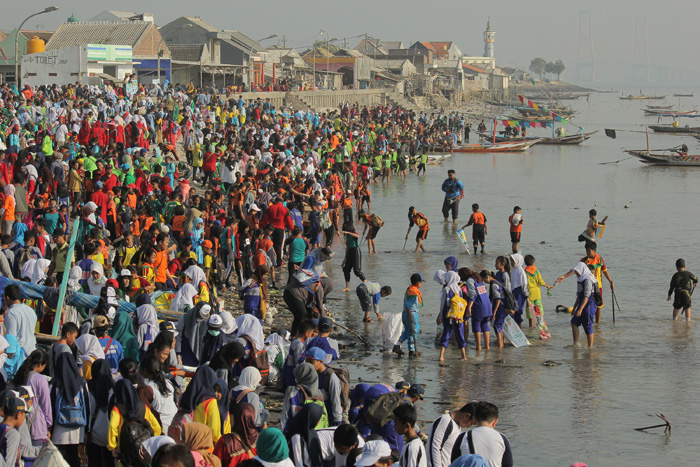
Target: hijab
(195, 328)
(272, 448)
(452, 281)
(123, 332)
(76, 273)
(184, 297)
(151, 445)
(101, 383)
(196, 275)
(229, 324)
(249, 325)
(452, 261)
(517, 275)
(66, 377)
(11, 365)
(249, 379)
(470, 460)
(96, 285)
(148, 321)
(89, 348)
(10, 191)
(243, 423)
(223, 402)
(584, 273)
(125, 394)
(304, 424)
(200, 389)
(35, 270)
(306, 377)
(19, 229)
(195, 232)
(198, 437)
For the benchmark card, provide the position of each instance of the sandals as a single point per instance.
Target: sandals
(367, 320)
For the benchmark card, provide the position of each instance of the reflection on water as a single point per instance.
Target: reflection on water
(585, 409)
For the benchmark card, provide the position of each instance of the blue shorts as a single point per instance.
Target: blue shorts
(586, 318)
(499, 319)
(480, 324)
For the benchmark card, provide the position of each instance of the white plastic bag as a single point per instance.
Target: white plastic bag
(391, 330)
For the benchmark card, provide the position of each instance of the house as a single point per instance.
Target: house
(89, 63)
(401, 67)
(355, 66)
(376, 48)
(7, 46)
(118, 15)
(475, 77)
(151, 55)
(230, 52)
(438, 50)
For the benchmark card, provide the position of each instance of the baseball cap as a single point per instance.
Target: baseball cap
(314, 353)
(207, 244)
(325, 324)
(26, 392)
(372, 451)
(215, 321)
(204, 311)
(125, 272)
(15, 404)
(416, 277)
(403, 386)
(416, 390)
(100, 321)
(254, 207)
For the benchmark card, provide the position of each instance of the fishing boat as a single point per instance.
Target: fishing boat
(683, 95)
(670, 113)
(675, 157)
(556, 140)
(434, 159)
(510, 146)
(660, 107)
(678, 130)
(640, 97)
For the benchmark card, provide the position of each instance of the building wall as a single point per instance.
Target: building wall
(60, 66)
(147, 46)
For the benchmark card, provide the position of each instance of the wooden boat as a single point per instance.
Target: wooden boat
(434, 159)
(660, 107)
(683, 95)
(670, 113)
(642, 97)
(557, 140)
(678, 130)
(511, 146)
(675, 158)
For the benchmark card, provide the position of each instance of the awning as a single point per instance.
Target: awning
(104, 76)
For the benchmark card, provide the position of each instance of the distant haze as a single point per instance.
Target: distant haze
(524, 29)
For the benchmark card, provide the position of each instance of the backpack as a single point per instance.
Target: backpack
(70, 414)
(377, 221)
(421, 221)
(343, 375)
(22, 256)
(381, 410)
(259, 360)
(323, 422)
(510, 304)
(325, 220)
(458, 306)
(133, 433)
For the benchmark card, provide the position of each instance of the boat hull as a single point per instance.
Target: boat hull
(559, 141)
(519, 146)
(666, 159)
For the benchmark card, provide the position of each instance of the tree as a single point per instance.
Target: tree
(549, 67)
(537, 66)
(559, 68)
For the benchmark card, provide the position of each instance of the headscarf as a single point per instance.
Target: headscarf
(200, 389)
(306, 377)
(19, 229)
(11, 365)
(196, 275)
(101, 383)
(198, 437)
(452, 261)
(67, 377)
(123, 332)
(76, 273)
(35, 270)
(96, 285)
(439, 277)
(243, 423)
(10, 190)
(89, 348)
(249, 379)
(470, 460)
(272, 447)
(304, 424)
(148, 321)
(517, 275)
(229, 324)
(195, 232)
(584, 273)
(223, 402)
(195, 325)
(452, 281)
(125, 394)
(249, 325)
(184, 296)
(151, 445)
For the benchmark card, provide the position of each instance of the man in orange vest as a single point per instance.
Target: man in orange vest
(417, 218)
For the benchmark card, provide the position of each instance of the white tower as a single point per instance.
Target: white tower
(489, 39)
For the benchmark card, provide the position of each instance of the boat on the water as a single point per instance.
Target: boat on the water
(511, 146)
(556, 140)
(675, 157)
(434, 159)
(671, 113)
(677, 130)
(683, 95)
(640, 97)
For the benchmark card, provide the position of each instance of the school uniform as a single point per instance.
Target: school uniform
(443, 434)
(493, 446)
(481, 309)
(413, 454)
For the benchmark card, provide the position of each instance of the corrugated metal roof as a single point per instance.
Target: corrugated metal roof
(43, 35)
(98, 32)
(201, 23)
(186, 52)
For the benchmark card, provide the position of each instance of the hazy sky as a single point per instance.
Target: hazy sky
(524, 28)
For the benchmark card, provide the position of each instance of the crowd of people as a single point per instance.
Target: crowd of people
(145, 208)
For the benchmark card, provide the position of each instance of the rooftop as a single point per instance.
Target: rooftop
(186, 52)
(97, 32)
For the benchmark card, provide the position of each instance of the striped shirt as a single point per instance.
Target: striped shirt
(413, 454)
(443, 433)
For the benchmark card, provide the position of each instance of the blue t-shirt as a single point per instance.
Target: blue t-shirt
(114, 354)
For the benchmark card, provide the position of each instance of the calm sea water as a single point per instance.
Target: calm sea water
(586, 408)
